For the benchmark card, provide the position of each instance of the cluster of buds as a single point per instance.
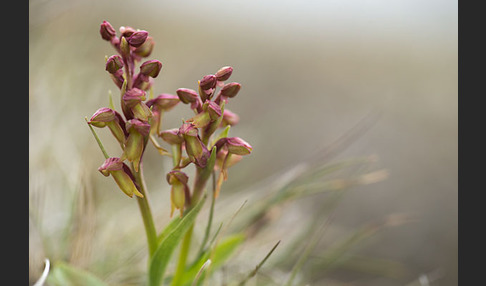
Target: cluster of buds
(195, 142)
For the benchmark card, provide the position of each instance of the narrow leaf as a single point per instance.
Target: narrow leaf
(63, 274)
(162, 255)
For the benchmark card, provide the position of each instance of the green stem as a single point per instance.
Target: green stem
(199, 185)
(184, 252)
(144, 207)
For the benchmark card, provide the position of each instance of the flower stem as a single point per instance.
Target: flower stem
(144, 207)
(199, 185)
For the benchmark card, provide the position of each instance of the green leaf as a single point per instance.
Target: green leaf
(162, 255)
(218, 255)
(63, 274)
(168, 229)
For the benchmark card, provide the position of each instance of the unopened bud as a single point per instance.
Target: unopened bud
(234, 145)
(102, 116)
(113, 64)
(107, 31)
(133, 96)
(151, 68)
(207, 82)
(224, 73)
(214, 110)
(163, 102)
(187, 95)
(230, 89)
(124, 47)
(137, 38)
(126, 31)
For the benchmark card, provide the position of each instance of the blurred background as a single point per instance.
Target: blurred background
(311, 72)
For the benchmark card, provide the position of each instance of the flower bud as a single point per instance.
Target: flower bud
(224, 73)
(234, 145)
(146, 48)
(113, 64)
(108, 117)
(121, 174)
(133, 99)
(151, 68)
(178, 180)
(172, 136)
(164, 102)
(238, 146)
(126, 31)
(195, 149)
(207, 82)
(124, 47)
(137, 38)
(230, 89)
(107, 31)
(213, 109)
(102, 116)
(187, 95)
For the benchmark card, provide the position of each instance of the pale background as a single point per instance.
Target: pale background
(310, 71)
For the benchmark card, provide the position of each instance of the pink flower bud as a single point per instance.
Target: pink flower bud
(102, 116)
(230, 89)
(234, 145)
(108, 117)
(207, 82)
(126, 31)
(151, 68)
(113, 64)
(137, 38)
(224, 73)
(187, 95)
(163, 102)
(107, 31)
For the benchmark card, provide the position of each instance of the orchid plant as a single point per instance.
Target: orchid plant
(203, 145)
(201, 141)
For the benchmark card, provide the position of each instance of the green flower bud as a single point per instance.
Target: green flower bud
(121, 174)
(195, 149)
(179, 191)
(135, 143)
